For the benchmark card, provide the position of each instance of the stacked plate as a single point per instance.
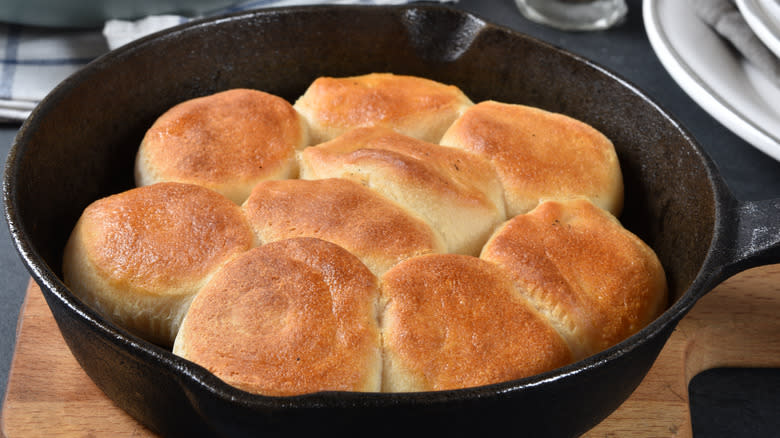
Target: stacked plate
(715, 75)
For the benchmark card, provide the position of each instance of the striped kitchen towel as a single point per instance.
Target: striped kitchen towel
(33, 60)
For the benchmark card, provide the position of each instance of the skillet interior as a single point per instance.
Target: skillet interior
(79, 145)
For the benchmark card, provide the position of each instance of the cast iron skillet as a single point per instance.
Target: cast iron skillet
(79, 145)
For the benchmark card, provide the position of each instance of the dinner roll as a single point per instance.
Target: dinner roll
(139, 256)
(228, 142)
(290, 317)
(378, 231)
(456, 192)
(452, 321)
(598, 282)
(541, 155)
(414, 106)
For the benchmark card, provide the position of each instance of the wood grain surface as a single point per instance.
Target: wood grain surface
(735, 325)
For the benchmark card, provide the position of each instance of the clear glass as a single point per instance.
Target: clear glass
(574, 14)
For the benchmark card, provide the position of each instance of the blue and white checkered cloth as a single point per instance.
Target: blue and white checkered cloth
(34, 60)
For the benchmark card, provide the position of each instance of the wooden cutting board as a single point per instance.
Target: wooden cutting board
(735, 325)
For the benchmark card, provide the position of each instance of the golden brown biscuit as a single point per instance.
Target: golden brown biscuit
(414, 106)
(378, 197)
(139, 256)
(453, 321)
(228, 142)
(456, 192)
(541, 155)
(378, 231)
(290, 317)
(594, 279)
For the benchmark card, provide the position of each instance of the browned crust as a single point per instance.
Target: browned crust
(456, 192)
(289, 317)
(448, 173)
(141, 254)
(577, 263)
(376, 230)
(453, 321)
(153, 238)
(415, 106)
(540, 155)
(227, 141)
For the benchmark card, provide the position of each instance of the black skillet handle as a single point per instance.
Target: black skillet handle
(756, 236)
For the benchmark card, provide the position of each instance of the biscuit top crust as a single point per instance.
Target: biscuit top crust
(237, 135)
(160, 238)
(454, 321)
(456, 192)
(378, 231)
(335, 105)
(377, 157)
(286, 318)
(578, 265)
(540, 155)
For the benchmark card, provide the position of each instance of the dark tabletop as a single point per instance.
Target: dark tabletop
(725, 402)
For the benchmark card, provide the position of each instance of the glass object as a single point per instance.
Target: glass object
(574, 14)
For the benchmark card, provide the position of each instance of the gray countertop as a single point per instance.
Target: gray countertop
(726, 402)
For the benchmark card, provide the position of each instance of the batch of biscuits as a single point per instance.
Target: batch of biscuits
(383, 233)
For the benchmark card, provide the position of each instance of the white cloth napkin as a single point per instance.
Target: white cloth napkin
(34, 60)
(725, 18)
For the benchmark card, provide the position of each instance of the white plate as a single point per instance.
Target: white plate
(763, 17)
(713, 74)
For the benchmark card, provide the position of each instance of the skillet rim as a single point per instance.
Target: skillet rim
(188, 373)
